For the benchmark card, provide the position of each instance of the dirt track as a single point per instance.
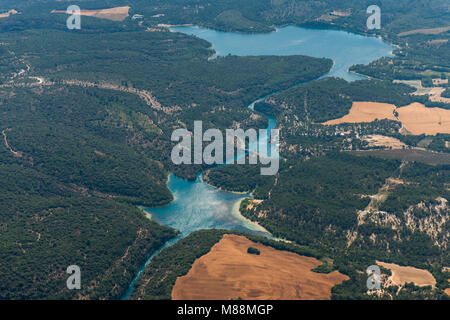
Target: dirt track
(229, 272)
(7, 14)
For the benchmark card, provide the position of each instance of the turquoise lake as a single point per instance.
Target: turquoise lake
(344, 48)
(199, 206)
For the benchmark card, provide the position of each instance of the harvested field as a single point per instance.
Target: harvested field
(366, 112)
(377, 140)
(428, 157)
(7, 14)
(229, 272)
(418, 119)
(425, 31)
(447, 291)
(403, 275)
(114, 14)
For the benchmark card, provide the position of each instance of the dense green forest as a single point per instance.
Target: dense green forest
(77, 159)
(230, 178)
(318, 203)
(332, 98)
(68, 179)
(173, 67)
(257, 15)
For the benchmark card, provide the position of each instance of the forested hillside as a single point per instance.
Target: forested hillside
(327, 203)
(86, 119)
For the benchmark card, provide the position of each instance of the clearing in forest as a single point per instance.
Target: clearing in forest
(403, 275)
(114, 14)
(425, 31)
(377, 140)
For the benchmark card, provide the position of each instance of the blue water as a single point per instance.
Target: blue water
(344, 48)
(199, 206)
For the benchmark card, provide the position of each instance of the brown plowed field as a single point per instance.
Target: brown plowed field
(229, 272)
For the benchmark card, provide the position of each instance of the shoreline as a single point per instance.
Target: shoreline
(236, 212)
(221, 189)
(202, 177)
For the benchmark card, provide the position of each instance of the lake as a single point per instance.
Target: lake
(344, 48)
(199, 206)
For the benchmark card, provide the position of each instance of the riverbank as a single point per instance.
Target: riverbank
(199, 205)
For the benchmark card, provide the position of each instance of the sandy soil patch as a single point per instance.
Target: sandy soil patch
(7, 14)
(154, 29)
(228, 272)
(377, 140)
(402, 275)
(254, 203)
(334, 15)
(435, 93)
(375, 201)
(328, 17)
(114, 14)
(346, 13)
(419, 119)
(447, 291)
(162, 25)
(366, 112)
(438, 41)
(425, 31)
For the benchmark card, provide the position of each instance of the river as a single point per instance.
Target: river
(199, 206)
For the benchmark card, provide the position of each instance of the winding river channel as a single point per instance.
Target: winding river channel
(199, 206)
